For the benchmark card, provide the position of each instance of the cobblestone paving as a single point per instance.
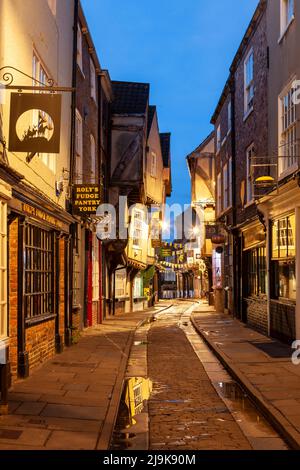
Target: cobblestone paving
(185, 411)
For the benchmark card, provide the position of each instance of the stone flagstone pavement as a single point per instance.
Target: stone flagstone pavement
(71, 401)
(262, 365)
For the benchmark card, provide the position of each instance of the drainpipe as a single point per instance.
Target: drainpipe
(72, 165)
(235, 241)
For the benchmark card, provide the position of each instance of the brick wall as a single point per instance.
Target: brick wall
(283, 321)
(254, 128)
(13, 296)
(257, 314)
(40, 343)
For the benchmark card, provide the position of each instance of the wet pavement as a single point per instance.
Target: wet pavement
(178, 396)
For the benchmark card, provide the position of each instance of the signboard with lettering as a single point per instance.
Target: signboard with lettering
(86, 199)
(211, 231)
(166, 252)
(35, 121)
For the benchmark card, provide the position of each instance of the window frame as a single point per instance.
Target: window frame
(40, 73)
(53, 6)
(153, 164)
(95, 269)
(225, 187)
(249, 91)
(93, 152)
(219, 142)
(93, 80)
(137, 240)
(219, 193)
(79, 47)
(78, 147)
(256, 271)
(229, 116)
(38, 273)
(250, 152)
(286, 16)
(287, 131)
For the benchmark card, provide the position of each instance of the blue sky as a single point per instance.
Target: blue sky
(183, 49)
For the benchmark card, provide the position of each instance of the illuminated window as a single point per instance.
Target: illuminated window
(249, 82)
(95, 261)
(225, 187)
(137, 286)
(120, 283)
(3, 270)
(78, 148)
(288, 133)
(137, 227)
(284, 238)
(256, 271)
(219, 194)
(249, 156)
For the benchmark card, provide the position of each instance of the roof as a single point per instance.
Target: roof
(165, 141)
(202, 144)
(130, 97)
(151, 113)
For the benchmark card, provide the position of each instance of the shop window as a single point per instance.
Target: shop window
(120, 283)
(95, 255)
(283, 258)
(284, 280)
(39, 277)
(3, 270)
(283, 238)
(137, 287)
(256, 271)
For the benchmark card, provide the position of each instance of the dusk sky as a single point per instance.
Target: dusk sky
(184, 50)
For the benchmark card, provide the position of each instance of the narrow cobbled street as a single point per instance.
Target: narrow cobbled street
(185, 410)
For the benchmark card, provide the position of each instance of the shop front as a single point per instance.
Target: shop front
(38, 253)
(254, 278)
(283, 278)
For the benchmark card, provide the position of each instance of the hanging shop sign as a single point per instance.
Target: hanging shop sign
(35, 121)
(156, 243)
(210, 231)
(166, 252)
(86, 199)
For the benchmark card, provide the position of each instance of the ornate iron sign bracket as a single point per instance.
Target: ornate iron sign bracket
(7, 76)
